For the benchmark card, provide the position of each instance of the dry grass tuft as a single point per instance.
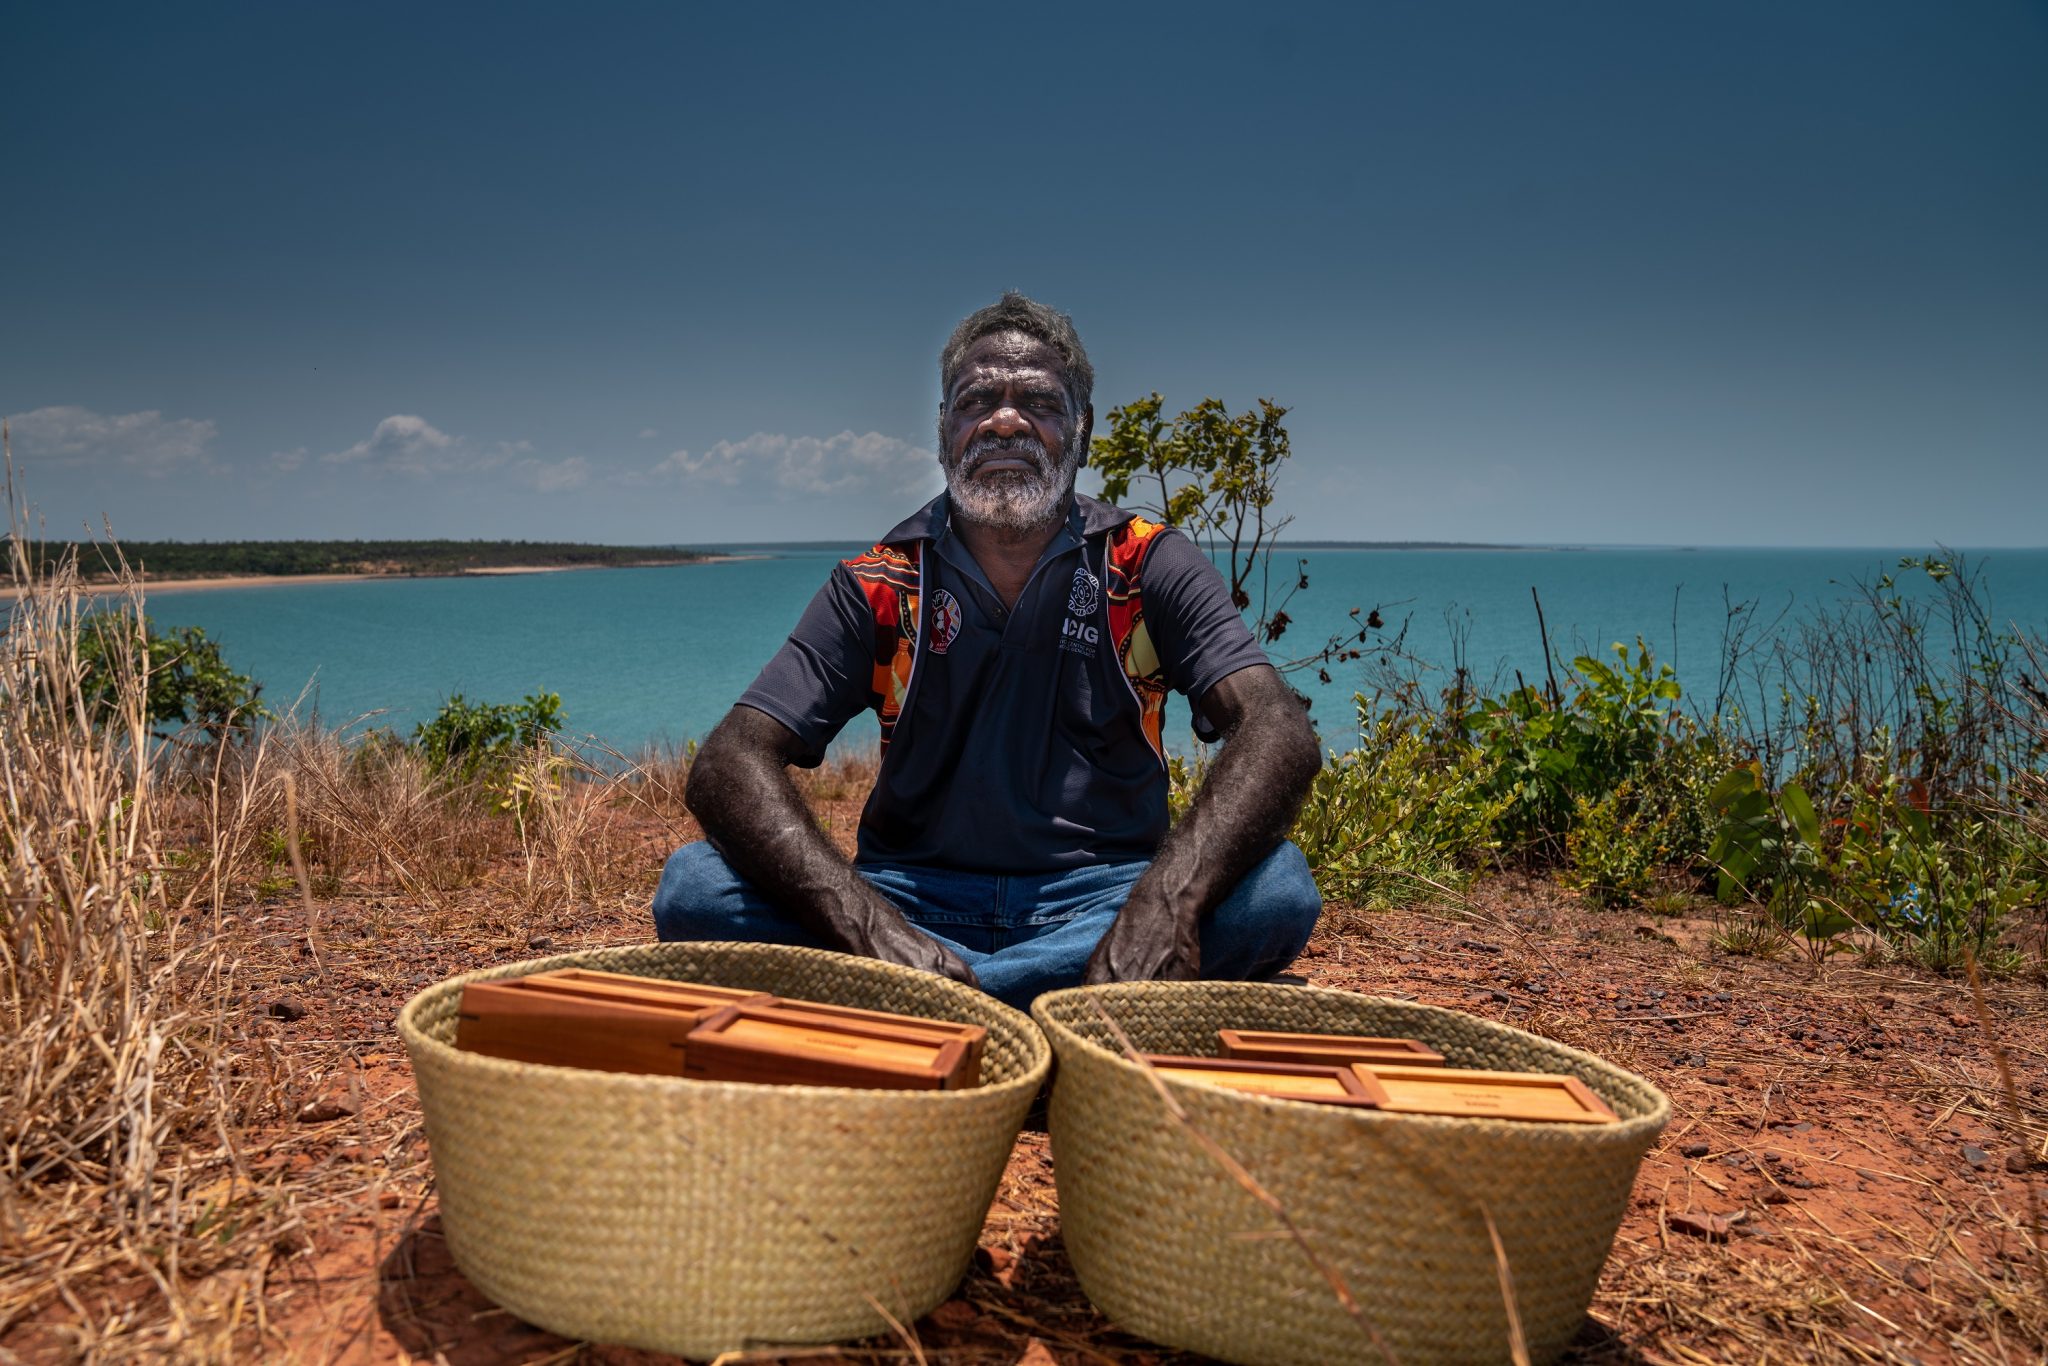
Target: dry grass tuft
(122, 1088)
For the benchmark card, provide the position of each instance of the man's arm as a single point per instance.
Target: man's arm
(740, 792)
(1240, 815)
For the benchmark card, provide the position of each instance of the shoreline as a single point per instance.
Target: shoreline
(153, 587)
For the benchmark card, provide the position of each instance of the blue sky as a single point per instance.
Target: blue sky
(1730, 273)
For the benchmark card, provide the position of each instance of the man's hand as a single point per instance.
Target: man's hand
(891, 938)
(1148, 942)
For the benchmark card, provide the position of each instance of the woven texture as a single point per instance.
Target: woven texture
(1167, 1244)
(702, 1217)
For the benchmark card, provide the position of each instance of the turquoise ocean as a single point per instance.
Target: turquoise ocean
(657, 655)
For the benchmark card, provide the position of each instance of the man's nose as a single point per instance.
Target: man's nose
(1006, 421)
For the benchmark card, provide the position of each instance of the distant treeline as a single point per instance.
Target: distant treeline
(206, 559)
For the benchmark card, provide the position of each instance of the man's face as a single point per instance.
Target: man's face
(1008, 442)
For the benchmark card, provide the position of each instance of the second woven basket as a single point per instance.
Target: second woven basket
(1169, 1243)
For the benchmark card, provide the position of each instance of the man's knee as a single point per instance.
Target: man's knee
(1265, 922)
(698, 896)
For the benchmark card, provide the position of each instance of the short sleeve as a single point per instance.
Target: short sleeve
(819, 679)
(1200, 636)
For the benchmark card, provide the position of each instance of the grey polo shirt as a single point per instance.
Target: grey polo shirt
(1019, 748)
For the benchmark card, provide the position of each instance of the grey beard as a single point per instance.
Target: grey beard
(1022, 502)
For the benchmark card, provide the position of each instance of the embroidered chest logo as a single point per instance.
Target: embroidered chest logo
(1087, 594)
(945, 620)
(1077, 631)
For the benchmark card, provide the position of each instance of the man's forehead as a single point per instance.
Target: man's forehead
(1008, 355)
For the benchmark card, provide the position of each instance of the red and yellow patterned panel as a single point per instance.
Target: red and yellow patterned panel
(1134, 647)
(887, 577)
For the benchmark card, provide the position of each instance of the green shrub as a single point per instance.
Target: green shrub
(189, 682)
(1614, 846)
(1662, 817)
(481, 739)
(1546, 753)
(1940, 881)
(1398, 815)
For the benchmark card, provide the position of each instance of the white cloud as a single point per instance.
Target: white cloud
(146, 442)
(832, 466)
(556, 477)
(406, 445)
(415, 448)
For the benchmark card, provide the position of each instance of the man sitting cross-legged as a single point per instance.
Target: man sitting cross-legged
(1017, 641)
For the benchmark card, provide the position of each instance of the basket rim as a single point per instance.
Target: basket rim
(1063, 1035)
(419, 1042)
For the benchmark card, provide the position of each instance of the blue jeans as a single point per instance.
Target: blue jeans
(1022, 934)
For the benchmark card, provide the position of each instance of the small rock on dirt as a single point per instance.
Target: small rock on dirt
(2017, 1162)
(288, 1010)
(539, 941)
(1976, 1157)
(1715, 1228)
(324, 1109)
(1478, 946)
(1695, 1150)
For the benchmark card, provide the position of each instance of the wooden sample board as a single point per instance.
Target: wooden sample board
(1326, 1050)
(578, 1017)
(793, 1043)
(563, 1029)
(651, 991)
(1489, 1095)
(1281, 1080)
(940, 1031)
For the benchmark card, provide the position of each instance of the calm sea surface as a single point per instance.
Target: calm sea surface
(654, 655)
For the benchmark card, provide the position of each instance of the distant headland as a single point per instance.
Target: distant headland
(206, 564)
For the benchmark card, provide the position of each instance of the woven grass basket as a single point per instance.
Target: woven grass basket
(1169, 1245)
(703, 1217)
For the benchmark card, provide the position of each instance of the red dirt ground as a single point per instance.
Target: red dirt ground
(1843, 1178)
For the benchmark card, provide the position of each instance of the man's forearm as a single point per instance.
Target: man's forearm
(754, 816)
(741, 794)
(1244, 809)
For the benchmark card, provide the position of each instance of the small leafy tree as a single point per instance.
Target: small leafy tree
(1212, 473)
(189, 681)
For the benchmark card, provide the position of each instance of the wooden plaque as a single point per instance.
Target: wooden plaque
(1327, 1050)
(1491, 1095)
(1283, 1080)
(562, 1029)
(652, 991)
(793, 1046)
(974, 1036)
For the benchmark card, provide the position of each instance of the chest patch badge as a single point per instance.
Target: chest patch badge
(1087, 593)
(1078, 634)
(945, 620)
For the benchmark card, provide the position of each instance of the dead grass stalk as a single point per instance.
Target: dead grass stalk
(121, 1088)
